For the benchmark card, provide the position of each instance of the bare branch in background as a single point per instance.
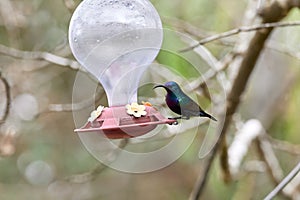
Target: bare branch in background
(215, 66)
(39, 55)
(285, 146)
(253, 130)
(283, 49)
(241, 143)
(8, 141)
(184, 26)
(7, 98)
(240, 30)
(71, 5)
(267, 154)
(284, 182)
(13, 20)
(212, 73)
(91, 175)
(75, 106)
(246, 65)
(254, 166)
(276, 173)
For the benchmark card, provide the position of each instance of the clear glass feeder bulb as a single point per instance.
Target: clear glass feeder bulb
(116, 41)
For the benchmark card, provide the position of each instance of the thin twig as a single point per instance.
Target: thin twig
(283, 49)
(221, 66)
(7, 96)
(70, 4)
(91, 175)
(75, 106)
(184, 26)
(200, 183)
(266, 152)
(39, 55)
(11, 20)
(284, 146)
(218, 66)
(273, 167)
(283, 183)
(241, 144)
(239, 30)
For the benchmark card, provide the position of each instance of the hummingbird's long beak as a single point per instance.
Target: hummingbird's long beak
(159, 86)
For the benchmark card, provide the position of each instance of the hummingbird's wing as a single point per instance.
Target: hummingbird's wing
(189, 107)
(186, 106)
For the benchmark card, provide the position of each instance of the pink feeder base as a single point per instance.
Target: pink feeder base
(115, 123)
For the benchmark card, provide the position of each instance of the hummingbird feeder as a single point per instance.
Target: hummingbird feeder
(116, 41)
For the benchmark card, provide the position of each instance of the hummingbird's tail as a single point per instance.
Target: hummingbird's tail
(204, 114)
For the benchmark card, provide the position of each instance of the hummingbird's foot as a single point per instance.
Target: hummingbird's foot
(180, 117)
(175, 118)
(185, 117)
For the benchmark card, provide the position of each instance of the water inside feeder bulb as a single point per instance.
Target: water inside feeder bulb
(116, 41)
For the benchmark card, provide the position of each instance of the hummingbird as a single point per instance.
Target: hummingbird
(181, 103)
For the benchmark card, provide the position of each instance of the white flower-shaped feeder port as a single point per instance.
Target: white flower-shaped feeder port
(136, 110)
(95, 114)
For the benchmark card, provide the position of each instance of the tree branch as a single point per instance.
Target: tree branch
(8, 98)
(284, 182)
(71, 5)
(75, 106)
(91, 175)
(241, 29)
(39, 55)
(285, 146)
(246, 66)
(194, 31)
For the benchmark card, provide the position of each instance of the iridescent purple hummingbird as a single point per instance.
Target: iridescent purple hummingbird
(182, 104)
